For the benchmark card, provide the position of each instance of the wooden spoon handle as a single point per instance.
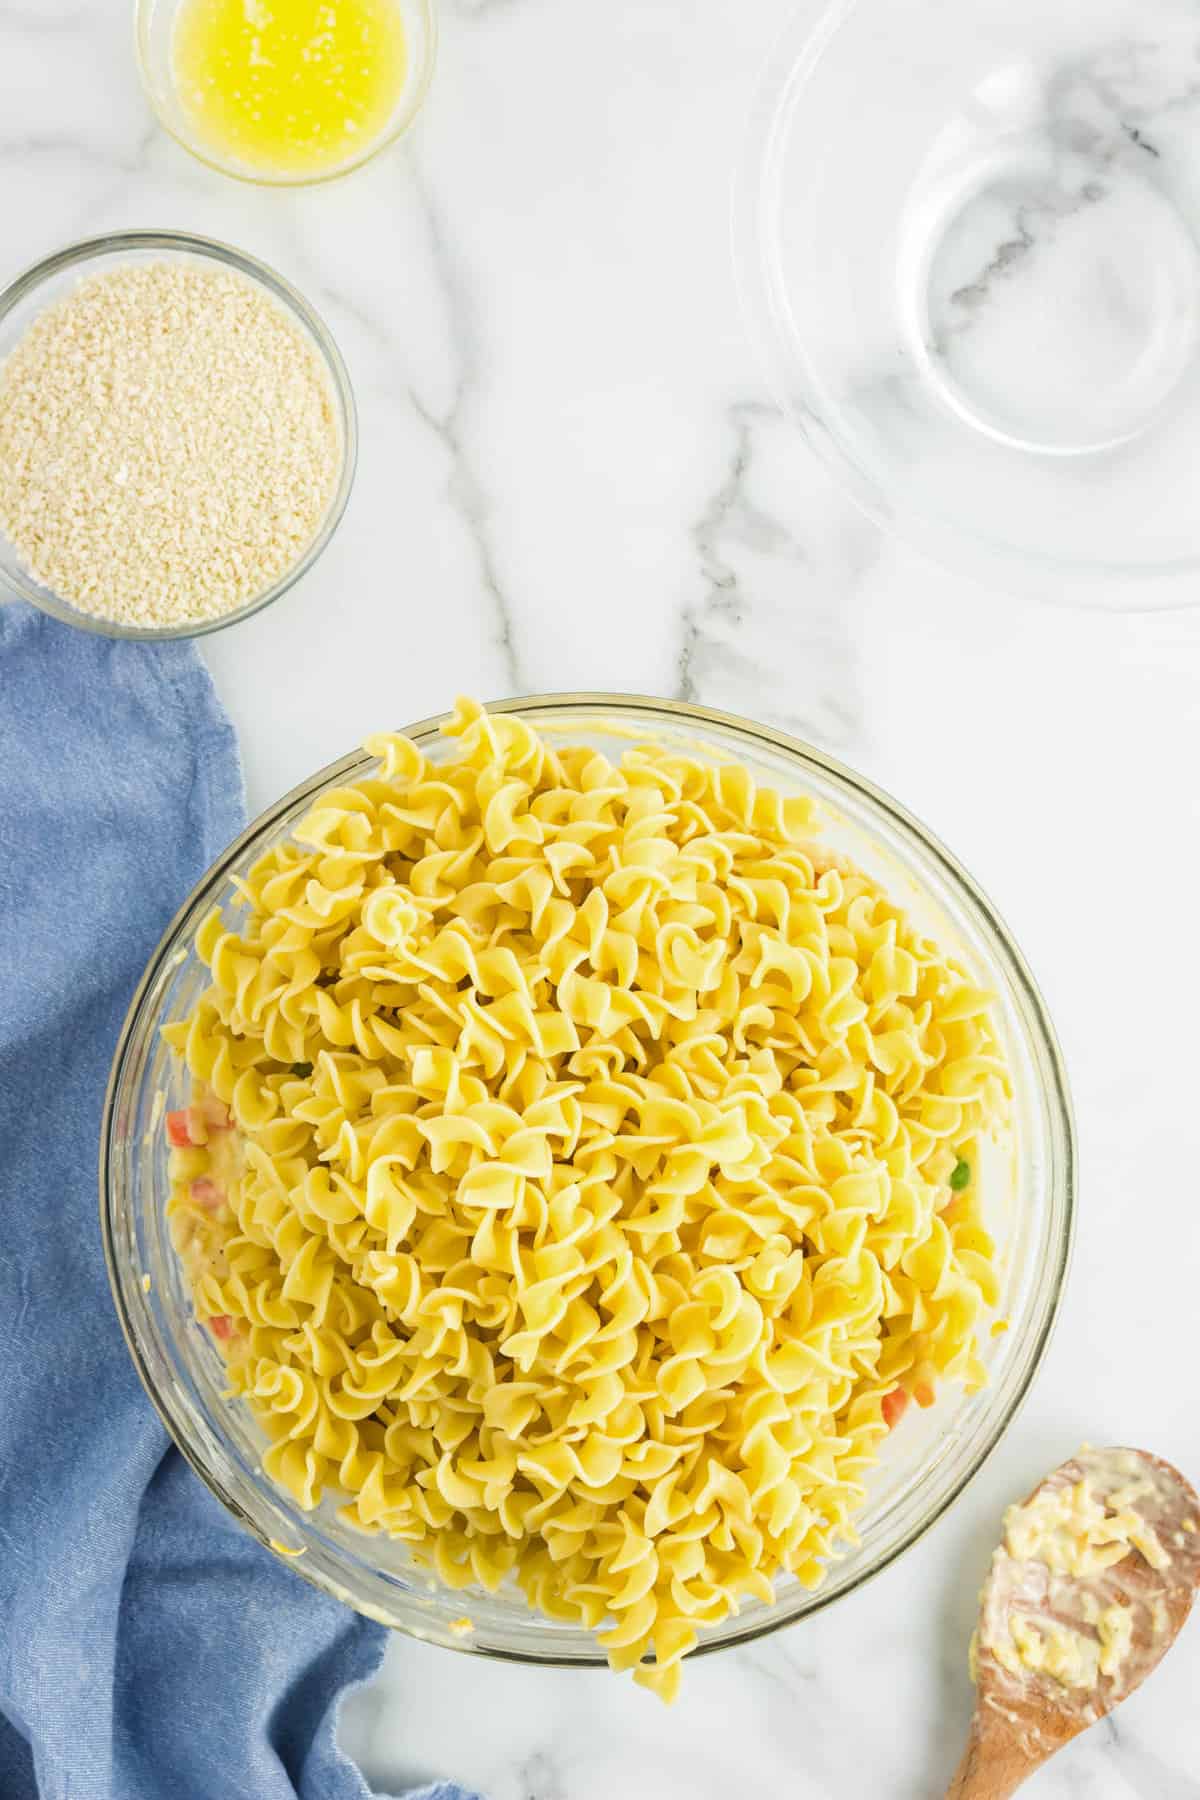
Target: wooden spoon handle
(992, 1768)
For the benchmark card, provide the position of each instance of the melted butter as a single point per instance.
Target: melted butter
(290, 87)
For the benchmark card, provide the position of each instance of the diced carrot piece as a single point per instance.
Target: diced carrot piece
(923, 1394)
(208, 1194)
(221, 1327)
(895, 1405)
(179, 1129)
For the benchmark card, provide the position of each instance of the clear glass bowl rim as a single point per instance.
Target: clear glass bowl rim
(792, 61)
(128, 1297)
(182, 243)
(195, 147)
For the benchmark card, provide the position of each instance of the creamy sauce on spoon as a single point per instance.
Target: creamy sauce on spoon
(1088, 1589)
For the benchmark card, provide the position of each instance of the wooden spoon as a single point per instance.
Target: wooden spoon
(1085, 1596)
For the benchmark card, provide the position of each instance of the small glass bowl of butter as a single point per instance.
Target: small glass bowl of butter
(286, 93)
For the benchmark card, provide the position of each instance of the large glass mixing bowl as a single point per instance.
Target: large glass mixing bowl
(926, 1461)
(968, 239)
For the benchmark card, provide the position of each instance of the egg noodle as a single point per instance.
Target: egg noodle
(596, 1177)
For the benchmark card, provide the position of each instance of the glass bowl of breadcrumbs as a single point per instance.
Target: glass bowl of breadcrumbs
(178, 435)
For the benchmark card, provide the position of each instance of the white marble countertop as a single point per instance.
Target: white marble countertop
(572, 478)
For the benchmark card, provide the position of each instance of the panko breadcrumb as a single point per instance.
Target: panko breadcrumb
(169, 444)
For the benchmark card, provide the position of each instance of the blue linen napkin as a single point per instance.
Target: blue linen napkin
(149, 1648)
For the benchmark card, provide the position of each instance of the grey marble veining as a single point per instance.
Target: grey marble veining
(452, 426)
(780, 558)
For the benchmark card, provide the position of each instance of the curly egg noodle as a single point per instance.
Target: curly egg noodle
(589, 1189)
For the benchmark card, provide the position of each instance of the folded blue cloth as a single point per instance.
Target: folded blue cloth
(149, 1649)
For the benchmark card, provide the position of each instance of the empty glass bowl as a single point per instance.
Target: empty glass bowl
(967, 238)
(926, 1461)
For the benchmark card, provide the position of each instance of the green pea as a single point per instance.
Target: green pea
(961, 1177)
